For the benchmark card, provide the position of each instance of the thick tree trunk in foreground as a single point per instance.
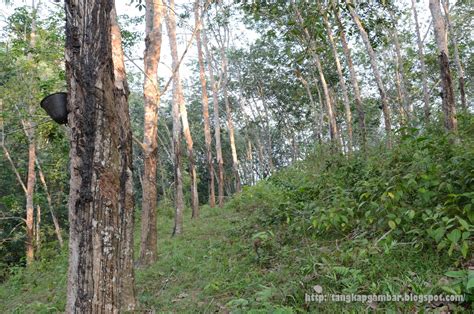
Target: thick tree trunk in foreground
(354, 82)
(178, 96)
(151, 93)
(376, 72)
(342, 82)
(457, 59)
(449, 107)
(100, 275)
(175, 112)
(217, 125)
(421, 57)
(205, 105)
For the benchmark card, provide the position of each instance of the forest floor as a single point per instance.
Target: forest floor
(213, 267)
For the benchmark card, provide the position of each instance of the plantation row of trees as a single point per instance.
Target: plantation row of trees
(336, 72)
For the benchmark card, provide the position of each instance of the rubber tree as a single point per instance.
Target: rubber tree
(375, 70)
(100, 275)
(178, 96)
(205, 103)
(439, 25)
(151, 92)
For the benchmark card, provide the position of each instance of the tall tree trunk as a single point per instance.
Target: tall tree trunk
(30, 186)
(179, 97)
(334, 133)
(342, 82)
(354, 82)
(321, 114)
(151, 94)
(457, 59)
(217, 126)
(405, 99)
(100, 275)
(375, 70)
(31, 179)
(127, 284)
(205, 105)
(177, 101)
(421, 56)
(230, 123)
(449, 107)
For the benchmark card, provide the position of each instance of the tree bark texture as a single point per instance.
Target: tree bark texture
(217, 126)
(205, 105)
(457, 59)
(421, 57)
(100, 277)
(228, 109)
(179, 97)
(176, 134)
(342, 83)
(151, 94)
(449, 107)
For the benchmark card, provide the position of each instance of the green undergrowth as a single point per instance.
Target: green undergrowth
(384, 222)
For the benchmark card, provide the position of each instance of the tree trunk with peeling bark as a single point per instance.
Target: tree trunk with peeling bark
(151, 94)
(217, 126)
(376, 72)
(205, 105)
(421, 57)
(100, 277)
(449, 107)
(354, 82)
(342, 82)
(176, 134)
(179, 98)
(457, 59)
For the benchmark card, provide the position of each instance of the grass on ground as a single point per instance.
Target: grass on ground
(219, 264)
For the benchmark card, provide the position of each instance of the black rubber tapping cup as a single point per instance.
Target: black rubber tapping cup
(55, 106)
